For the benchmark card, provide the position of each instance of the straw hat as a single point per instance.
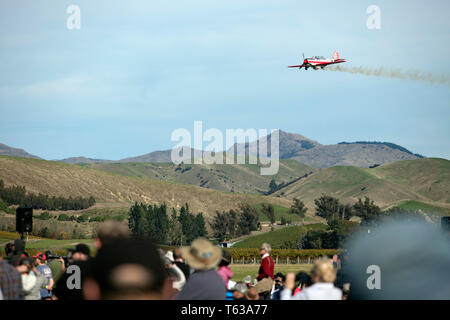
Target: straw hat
(202, 254)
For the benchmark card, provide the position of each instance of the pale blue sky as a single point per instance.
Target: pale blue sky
(137, 70)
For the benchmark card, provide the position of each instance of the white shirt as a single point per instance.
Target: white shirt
(180, 283)
(265, 255)
(318, 291)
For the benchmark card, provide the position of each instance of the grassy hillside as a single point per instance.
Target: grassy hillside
(61, 179)
(276, 238)
(429, 177)
(232, 178)
(421, 180)
(416, 205)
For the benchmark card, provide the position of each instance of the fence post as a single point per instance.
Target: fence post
(242, 260)
(298, 259)
(231, 259)
(287, 260)
(254, 260)
(277, 260)
(309, 260)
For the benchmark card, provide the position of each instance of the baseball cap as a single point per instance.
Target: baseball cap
(40, 256)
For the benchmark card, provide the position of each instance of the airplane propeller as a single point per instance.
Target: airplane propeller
(302, 65)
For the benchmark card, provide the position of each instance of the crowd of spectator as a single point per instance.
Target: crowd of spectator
(124, 267)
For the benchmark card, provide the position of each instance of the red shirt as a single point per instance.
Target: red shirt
(266, 268)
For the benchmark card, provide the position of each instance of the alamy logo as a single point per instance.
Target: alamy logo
(74, 280)
(74, 20)
(374, 280)
(248, 149)
(374, 20)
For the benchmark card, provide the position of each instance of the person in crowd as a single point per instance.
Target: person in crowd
(342, 277)
(345, 291)
(180, 262)
(57, 265)
(335, 260)
(239, 291)
(279, 286)
(18, 252)
(79, 262)
(175, 273)
(127, 269)
(44, 269)
(303, 280)
(9, 249)
(224, 270)
(265, 274)
(323, 276)
(10, 281)
(110, 231)
(32, 280)
(81, 252)
(252, 294)
(205, 283)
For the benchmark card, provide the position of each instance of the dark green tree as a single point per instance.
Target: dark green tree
(327, 207)
(367, 211)
(219, 226)
(269, 211)
(298, 208)
(272, 186)
(135, 219)
(248, 219)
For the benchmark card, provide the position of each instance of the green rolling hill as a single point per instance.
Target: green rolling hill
(424, 181)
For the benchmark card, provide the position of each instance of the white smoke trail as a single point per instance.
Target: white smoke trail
(395, 73)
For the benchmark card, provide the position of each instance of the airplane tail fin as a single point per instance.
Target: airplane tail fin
(335, 55)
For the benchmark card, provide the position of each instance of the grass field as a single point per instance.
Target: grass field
(276, 238)
(242, 270)
(36, 243)
(416, 205)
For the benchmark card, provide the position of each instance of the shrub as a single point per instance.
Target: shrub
(63, 217)
(83, 218)
(45, 216)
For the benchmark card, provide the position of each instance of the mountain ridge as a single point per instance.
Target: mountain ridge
(291, 146)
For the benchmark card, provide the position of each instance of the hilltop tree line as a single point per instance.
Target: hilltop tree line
(177, 228)
(389, 144)
(18, 195)
(235, 223)
(338, 219)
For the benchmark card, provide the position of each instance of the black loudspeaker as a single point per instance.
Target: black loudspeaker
(24, 219)
(445, 224)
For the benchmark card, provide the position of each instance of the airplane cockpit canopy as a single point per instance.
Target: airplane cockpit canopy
(318, 58)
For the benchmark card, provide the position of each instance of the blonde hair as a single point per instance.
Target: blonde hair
(324, 270)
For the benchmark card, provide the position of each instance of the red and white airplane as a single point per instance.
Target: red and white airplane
(318, 62)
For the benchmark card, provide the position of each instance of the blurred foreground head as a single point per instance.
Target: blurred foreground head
(323, 271)
(110, 231)
(127, 269)
(400, 260)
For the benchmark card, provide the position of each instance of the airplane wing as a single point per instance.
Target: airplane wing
(299, 66)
